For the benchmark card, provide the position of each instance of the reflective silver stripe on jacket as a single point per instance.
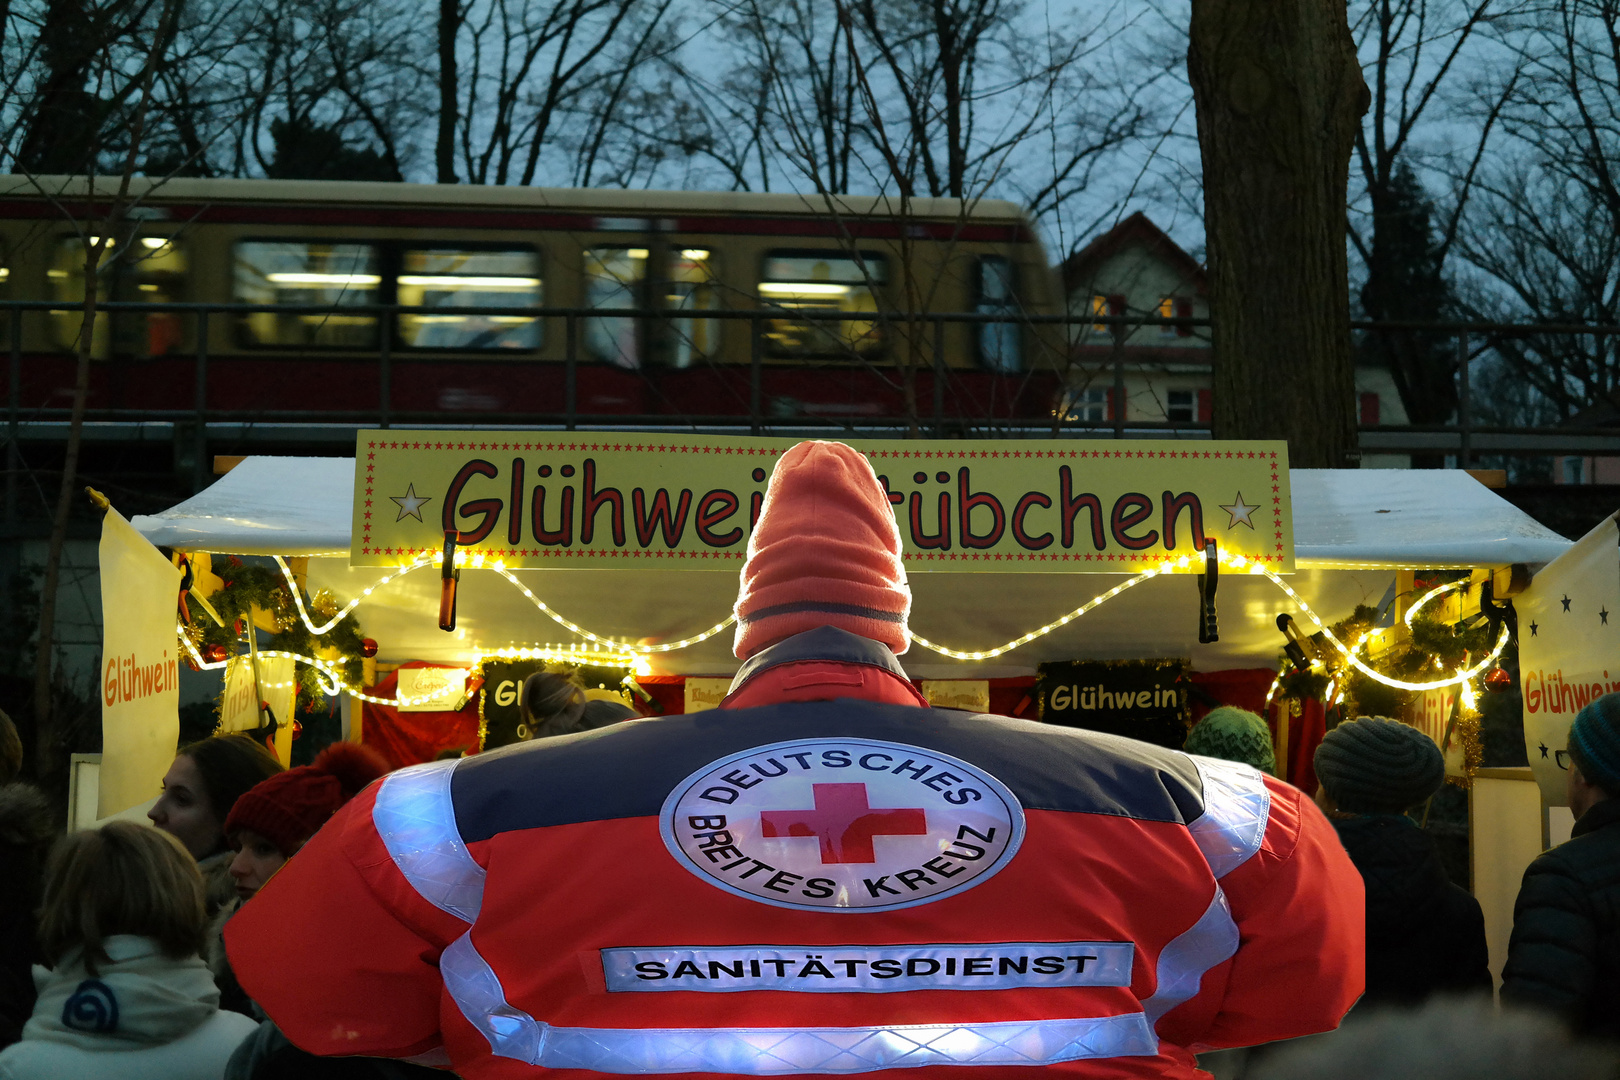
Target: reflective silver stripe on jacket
(512, 1033)
(1212, 940)
(1236, 809)
(417, 822)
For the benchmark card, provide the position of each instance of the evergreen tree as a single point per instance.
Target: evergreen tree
(1405, 283)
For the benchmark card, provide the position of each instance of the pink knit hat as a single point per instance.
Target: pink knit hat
(826, 552)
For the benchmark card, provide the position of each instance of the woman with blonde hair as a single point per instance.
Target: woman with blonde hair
(126, 995)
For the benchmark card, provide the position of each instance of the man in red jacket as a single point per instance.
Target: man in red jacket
(824, 876)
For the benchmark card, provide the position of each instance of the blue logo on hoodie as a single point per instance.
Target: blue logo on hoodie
(92, 1008)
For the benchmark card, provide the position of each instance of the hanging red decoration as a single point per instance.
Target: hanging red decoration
(368, 647)
(215, 654)
(1497, 680)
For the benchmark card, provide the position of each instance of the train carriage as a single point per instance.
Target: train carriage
(413, 303)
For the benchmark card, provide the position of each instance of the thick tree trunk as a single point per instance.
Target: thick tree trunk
(1279, 95)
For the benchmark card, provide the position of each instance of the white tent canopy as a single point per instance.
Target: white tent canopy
(1352, 529)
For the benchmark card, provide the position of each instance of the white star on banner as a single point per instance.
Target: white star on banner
(410, 503)
(1240, 512)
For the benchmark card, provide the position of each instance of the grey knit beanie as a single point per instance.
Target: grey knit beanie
(1233, 734)
(1374, 765)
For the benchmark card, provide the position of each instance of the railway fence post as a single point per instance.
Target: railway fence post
(939, 378)
(385, 368)
(754, 388)
(14, 419)
(199, 446)
(1465, 451)
(1119, 381)
(570, 368)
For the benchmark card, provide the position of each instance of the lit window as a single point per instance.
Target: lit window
(1167, 310)
(1085, 405)
(693, 287)
(150, 270)
(446, 279)
(613, 279)
(822, 281)
(1179, 405)
(293, 272)
(999, 342)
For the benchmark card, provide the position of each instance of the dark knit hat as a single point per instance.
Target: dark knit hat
(1233, 734)
(291, 806)
(826, 552)
(1374, 765)
(1595, 738)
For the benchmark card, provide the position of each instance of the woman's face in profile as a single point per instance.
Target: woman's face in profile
(184, 811)
(257, 859)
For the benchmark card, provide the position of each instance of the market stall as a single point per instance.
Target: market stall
(1344, 538)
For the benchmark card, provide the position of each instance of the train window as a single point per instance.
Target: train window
(147, 269)
(822, 281)
(999, 342)
(613, 279)
(449, 278)
(693, 286)
(294, 272)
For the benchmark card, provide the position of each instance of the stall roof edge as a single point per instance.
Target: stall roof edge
(1343, 518)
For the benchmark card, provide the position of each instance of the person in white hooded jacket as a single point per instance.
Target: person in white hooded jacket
(127, 995)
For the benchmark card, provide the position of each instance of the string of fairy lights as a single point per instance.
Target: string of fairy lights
(603, 649)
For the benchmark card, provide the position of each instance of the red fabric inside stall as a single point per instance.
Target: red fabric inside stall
(411, 738)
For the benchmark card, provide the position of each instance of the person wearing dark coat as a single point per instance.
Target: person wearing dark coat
(1564, 955)
(26, 832)
(1425, 935)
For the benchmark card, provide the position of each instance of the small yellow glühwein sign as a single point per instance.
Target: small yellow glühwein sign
(609, 499)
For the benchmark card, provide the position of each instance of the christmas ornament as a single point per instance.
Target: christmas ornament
(323, 603)
(368, 647)
(215, 654)
(1497, 680)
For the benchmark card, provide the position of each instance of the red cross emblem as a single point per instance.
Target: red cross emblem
(844, 823)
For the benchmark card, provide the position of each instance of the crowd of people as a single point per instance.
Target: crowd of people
(133, 952)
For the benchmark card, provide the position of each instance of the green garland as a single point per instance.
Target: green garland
(1431, 640)
(247, 587)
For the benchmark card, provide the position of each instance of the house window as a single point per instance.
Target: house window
(293, 272)
(1089, 405)
(999, 344)
(1108, 305)
(693, 287)
(1574, 473)
(1175, 307)
(613, 279)
(1179, 406)
(822, 281)
(448, 278)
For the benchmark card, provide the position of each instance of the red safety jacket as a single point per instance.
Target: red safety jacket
(811, 888)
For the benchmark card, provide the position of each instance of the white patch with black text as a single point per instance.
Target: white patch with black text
(869, 969)
(842, 824)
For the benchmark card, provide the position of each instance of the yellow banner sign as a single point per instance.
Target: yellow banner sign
(582, 499)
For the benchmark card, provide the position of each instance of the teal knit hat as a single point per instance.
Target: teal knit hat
(1595, 738)
(1233, 734)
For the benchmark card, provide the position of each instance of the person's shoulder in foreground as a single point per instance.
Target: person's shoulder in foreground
(822, 876)
(1564, 955)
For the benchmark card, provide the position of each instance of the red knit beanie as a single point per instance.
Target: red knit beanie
(826, 552)
(290, 807)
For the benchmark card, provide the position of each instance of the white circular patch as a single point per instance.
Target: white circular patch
(842, 824)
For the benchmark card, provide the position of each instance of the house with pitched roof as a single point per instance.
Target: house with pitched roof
(1135, 269)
